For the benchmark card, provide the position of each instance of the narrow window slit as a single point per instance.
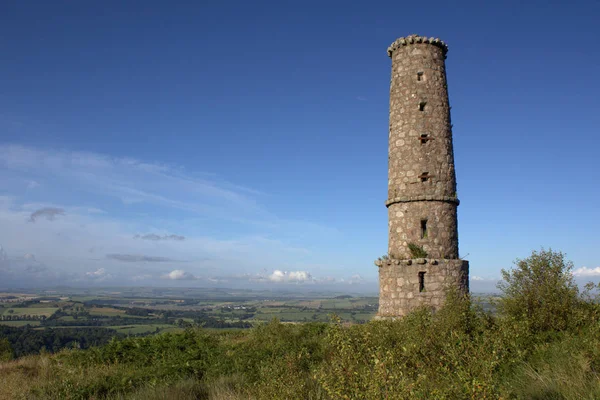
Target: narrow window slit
(424, 138)
(423, 229)
(419, 76)
(422, 106)
(424, 176)
(421, 281)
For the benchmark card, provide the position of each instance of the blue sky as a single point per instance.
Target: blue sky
(198, 143)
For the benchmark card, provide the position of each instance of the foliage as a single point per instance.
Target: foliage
(6, 351)
(421, 356)
(417, 251)
(540, 291)
(27, 340)
(384, 258)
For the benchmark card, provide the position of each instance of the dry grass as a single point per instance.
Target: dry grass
(189, 389)
(558, 375)
(16, 377)
(19, 377)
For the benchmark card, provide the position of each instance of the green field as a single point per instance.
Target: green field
(110, 311)
(137, 312)
(20, 323)
(140, 329)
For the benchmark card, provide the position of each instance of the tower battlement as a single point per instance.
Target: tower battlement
(413, 39)
(422, 200)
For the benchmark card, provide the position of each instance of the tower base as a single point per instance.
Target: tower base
(405, 285)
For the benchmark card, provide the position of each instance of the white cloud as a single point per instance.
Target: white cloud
(476, 278)
(277, 276)
(99, 273)
(179, 275)
(585, 271)
(292, 276)
(299, 276)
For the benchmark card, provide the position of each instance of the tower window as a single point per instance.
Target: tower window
(424, 138)
(422, 106)
(424, 229)
(420, 76)
(421, 281)
(424, 176)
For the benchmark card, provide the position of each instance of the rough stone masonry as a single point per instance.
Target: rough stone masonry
(422, 258)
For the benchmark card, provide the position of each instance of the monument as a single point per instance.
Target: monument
(422, 259)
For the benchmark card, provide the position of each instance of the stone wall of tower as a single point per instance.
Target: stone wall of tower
(422, 182)
(399, 286)
(405, 218)
(422, 199)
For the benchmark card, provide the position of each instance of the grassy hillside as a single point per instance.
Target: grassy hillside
(544, 343)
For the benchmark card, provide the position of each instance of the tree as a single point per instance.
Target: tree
(6, 351)
(540, 291)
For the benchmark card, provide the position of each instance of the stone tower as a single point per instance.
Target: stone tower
(423, 233)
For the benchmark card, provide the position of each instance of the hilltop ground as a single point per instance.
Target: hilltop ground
(543, 343)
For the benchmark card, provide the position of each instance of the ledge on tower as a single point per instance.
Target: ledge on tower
(380, 262)
(411, 39)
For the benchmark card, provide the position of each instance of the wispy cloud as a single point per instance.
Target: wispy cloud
(133, 181)
(155, 237)
(162, 214)
(48, 213)
(98, 275)
(356, 279)
(138, 258)
(279, 276)
(35, 269)
(32, 185)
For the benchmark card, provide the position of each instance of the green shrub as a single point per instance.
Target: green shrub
(126, 365)
(6, 351)
(540, 292)
(417, 251)
(276, 360)
(446, 355)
